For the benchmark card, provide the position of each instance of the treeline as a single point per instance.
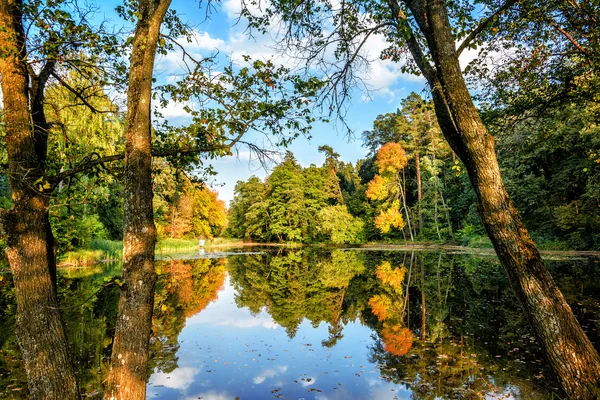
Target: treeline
(412, 186)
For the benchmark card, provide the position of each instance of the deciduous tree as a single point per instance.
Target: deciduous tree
(428, 30)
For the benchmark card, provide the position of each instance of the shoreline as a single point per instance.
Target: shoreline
(420, 247)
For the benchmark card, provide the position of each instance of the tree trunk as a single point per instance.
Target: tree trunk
(130, 353)
(423, 302)
(29, 238)
(403, 197)
(419, 188)
(569, 351)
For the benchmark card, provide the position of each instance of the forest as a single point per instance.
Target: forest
(502, 152)
(412, 187)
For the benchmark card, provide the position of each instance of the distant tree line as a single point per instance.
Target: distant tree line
(412, 186)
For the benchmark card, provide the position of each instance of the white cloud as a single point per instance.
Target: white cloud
(211, 395)
(174, 110)
(180, 379)
(203, 41)
(269, 373)
(306, 382)
(233, 8)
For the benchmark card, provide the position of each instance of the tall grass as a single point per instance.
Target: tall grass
(176, 245)
(103, 250)
(113, 249)
(97, 250)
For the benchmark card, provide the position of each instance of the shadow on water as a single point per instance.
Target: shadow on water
(318, 324)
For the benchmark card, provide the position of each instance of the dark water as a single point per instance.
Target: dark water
(317, 324)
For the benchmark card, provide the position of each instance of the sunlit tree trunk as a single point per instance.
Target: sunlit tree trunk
(570, 353)
(403, 197)
(419, 188)
(29, 238)
(130, 354)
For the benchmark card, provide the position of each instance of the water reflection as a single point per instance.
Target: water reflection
(317, 324)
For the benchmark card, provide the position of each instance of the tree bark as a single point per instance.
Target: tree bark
(29, 247)
(570, 353)
(419, 188)
(130, 354)
(423, 302)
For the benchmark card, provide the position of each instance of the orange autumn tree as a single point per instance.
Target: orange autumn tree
(387, 188)
(185, 208)
(389, 309)
(184, 288)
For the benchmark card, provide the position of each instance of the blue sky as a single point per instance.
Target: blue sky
(220, 32)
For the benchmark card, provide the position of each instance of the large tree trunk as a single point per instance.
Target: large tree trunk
(29, 238)
(130, 353)
(570, 353)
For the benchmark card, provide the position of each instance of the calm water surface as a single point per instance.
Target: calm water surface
(318, 324)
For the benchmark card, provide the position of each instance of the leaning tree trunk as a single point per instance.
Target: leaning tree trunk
(569, 351)
(39, 329)
(130, 353)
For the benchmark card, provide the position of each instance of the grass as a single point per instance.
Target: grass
(101, 249)
(221, 241)
(176, 245)
(98, 249)
(81, 257)
(111, 248)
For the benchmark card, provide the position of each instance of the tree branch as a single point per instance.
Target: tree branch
(90, 162)
(87, 164)
(483, 24)
(77, 94)
(413, 45)
(570, 38)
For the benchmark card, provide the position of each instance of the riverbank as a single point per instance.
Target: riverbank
(100, 251)
(104, 251)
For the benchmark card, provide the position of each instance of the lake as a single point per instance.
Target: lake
(321, 324)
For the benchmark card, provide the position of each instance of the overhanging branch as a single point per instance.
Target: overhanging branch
(483, 24)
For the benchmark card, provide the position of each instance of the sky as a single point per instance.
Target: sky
(223, 33)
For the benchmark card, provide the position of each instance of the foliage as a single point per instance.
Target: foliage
(184, 208)
(291, 287)
(391, 158)
(552, 171)
(386, 187)
(338, 226)
(390, 218)
(396, 339)
(294, 204)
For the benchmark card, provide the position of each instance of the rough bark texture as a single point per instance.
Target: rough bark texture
(29, 238)
(570, 353)
(128, 373)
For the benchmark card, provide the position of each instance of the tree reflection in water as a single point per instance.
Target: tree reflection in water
(443, 325)
(184, 288)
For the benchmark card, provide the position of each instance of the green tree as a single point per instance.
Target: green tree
(428, 30)
(337, 225)
(248, 215)
(288, 216)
